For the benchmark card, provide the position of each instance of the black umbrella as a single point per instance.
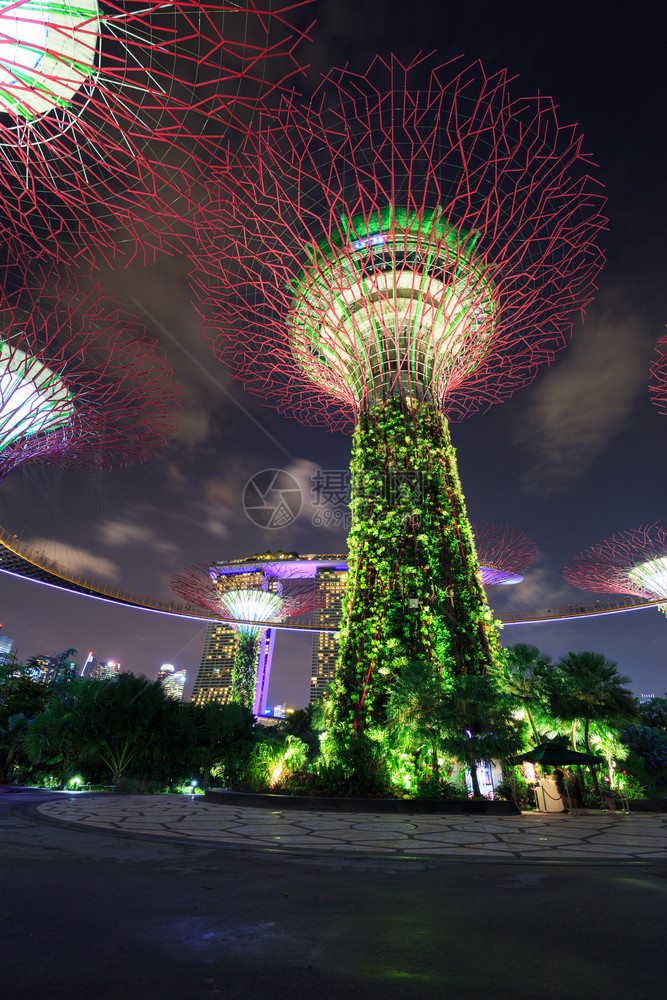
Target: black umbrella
(554, 754)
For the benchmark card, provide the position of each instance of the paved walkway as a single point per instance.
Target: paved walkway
(531, 836)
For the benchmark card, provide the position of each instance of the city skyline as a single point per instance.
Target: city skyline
(569, 460)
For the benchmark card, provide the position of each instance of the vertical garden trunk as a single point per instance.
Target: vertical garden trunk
(244, 671)
(414, 590)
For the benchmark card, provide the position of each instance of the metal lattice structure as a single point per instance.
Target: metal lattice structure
(405, 246)
(633, 562)
(80, 384)
(477, 208)
(504, 553)
(109, 110)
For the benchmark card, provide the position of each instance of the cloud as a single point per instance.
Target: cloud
(77, 560)
(123, 533)
(160, 296)
(542, 588)
(585, 400)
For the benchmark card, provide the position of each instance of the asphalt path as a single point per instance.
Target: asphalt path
(96, 915)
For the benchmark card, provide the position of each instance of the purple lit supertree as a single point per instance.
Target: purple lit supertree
(109, 110)
(408, 245)
(250, 598)
(633, 562)
(81, 386)
(504, 553)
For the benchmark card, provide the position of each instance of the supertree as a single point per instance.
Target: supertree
(403, 247)
(633, 562)
(109, 110)
(80, 384)
(658, 377)
(504, 553)
(250, 597)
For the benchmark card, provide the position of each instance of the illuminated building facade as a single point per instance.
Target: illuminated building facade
(5, 648)
(330, 583)
(214, 677)
(172, 681)
(109, 671)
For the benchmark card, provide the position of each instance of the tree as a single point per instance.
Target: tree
(588, 686)
(416, 713)
(478, 723)
(523, 676)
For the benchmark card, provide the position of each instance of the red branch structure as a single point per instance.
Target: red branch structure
(504, 553)
(633, 562)
(80, 383)
(109, 110)
(658, 377)
(205, 587)
(482, 184)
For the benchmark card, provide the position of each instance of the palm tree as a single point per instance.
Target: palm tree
(588, 686)
(478, 723)
(415, 712)
(522, 676)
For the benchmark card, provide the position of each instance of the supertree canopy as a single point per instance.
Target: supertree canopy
(109, 109)
(633, 562)
(504, 553)
(404, 246)
(250, 596)
(80, 384)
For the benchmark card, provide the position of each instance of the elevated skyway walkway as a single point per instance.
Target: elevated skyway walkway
(19, 559)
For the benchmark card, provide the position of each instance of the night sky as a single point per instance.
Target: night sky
(572, 459)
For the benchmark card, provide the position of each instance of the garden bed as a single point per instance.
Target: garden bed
(322, 803)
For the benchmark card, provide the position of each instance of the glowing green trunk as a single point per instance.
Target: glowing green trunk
(414, 590)
(244, 670)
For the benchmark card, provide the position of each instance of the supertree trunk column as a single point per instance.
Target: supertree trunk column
(415, 590)
(244, 671)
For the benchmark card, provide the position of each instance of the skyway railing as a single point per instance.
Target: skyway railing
(33, 564)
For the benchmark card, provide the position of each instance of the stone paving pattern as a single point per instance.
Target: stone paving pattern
(531, 836)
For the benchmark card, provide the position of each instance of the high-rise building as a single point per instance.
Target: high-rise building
(5, 648)
(214, 678)
(91, 668)
(330, 581)
(109, 671)
(172, 681)
(53, 668)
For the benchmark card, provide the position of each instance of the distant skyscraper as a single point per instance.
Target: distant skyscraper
(5, 648)
(173, 681)
(109, 671)
(53, 668)
(330, 581)
(91, 668)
